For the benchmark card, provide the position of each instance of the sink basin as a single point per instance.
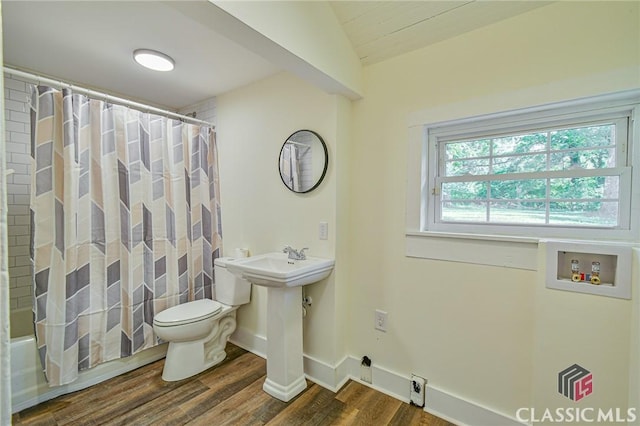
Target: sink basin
(277, 270)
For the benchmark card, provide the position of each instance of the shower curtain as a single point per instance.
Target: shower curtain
(125, 223)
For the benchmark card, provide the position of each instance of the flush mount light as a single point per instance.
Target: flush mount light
(154, 60)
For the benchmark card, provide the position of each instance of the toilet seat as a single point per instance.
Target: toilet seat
(186, 313)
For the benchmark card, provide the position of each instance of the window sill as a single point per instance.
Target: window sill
(466, 236)
(493, 250)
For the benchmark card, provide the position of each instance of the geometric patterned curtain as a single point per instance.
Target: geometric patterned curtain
(125, 223)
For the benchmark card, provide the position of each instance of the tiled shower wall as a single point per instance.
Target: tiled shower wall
(205, 110)
(18, 184)
(18, 159)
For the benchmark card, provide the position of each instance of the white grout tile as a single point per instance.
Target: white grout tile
(11, 83)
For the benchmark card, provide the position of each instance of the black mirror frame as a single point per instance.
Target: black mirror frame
(326, 161)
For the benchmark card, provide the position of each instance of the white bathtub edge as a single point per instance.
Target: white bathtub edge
(30, 388)
(21, 322)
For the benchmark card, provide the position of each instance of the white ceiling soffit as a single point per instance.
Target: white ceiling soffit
(257, 26)
(91, 43)
(380, 30)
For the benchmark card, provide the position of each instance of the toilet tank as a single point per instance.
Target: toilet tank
(230, 290)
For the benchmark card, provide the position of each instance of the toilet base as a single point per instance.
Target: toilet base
(186, 359)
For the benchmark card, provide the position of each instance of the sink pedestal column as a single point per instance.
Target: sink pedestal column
(285, 370)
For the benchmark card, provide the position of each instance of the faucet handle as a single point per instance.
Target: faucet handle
(303, 256)
(287, 249)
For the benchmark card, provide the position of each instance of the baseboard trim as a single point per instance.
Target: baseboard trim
(438, 402)
(323, 374)
(382, 380)
(249, 342)
(328, 376)
(463, 412)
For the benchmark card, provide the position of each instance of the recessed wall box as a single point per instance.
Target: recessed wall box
(611, 261)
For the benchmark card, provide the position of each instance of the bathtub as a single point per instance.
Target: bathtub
(28, 384)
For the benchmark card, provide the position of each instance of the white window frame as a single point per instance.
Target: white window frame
(437, 137)
(422, 160)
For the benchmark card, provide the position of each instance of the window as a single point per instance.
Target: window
(561, 170)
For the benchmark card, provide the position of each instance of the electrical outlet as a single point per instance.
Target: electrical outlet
(380, 320)
(417, 390)
(365, 369)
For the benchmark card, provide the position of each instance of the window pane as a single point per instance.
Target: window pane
(516, 212)
(586, 187)
(585, 159)
(583, 137)
(584, 213)
(464, 211)
(556, 172)
(464, 190)
(467, 149)
(520, 144)
(520, 164)
(467, 167)
(519, 189)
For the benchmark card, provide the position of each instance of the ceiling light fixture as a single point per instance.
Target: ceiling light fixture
(153, 60)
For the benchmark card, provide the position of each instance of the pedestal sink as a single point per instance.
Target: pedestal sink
(284, 279)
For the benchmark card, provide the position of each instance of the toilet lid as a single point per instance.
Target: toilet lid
(188, 312)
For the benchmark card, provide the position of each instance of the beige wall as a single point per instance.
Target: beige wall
(260, 213)
(477, 332)
(470, 329)
(592, 331)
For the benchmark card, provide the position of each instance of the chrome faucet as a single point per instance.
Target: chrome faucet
(301, 254)
(295, 254)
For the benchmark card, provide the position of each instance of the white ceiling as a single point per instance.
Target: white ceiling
(91, 42)
(379, 30)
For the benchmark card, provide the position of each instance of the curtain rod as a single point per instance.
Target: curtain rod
(101, 95)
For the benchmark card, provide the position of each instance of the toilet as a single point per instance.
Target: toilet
(197, 331)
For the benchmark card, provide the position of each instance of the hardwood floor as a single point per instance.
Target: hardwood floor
(228, 394)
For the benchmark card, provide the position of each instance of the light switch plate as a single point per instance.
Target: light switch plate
(323, 231)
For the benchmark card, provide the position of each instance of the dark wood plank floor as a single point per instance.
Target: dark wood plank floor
(228, 394)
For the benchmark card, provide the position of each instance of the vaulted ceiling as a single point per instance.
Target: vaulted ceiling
(379, 30)
(91, 42)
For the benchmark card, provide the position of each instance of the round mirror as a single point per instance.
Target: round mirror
(303, 161)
